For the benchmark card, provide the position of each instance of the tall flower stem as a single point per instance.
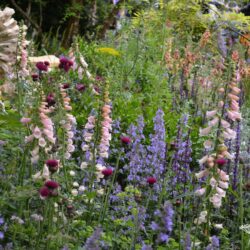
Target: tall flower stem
(241, 205)
(106, 201)
(164, 186)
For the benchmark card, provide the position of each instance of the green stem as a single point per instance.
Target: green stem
(241, 206)
(110, 188)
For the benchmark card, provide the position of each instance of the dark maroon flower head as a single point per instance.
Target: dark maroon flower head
(125, 139)
(107, 172)
(51, 99)
(221, 161)
(44, 192)
(53, 165)
(151, 180)
(65, 63)
(35, 77)
(51, 184)
(80, 87)
(64, 60)
(41, 66)
(65, 86)
(46, 63)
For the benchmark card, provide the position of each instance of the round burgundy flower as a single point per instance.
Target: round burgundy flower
(51, 99)
(46, 63)
(65, 86)
(51, 184)
(44, 192)
(80, 87)
(151, 180)
(125, 140)
(63, 60)
(107, 172)
(53, 165)
(65, 63)
(41, 66)
(221, 161)
(35, 77)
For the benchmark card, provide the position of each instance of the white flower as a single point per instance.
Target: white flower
(100, 191)
(85, 147)
(81, 188)
(75, 184)
(83, 165)
(36, 217)
(72, 173)
(218, 226)
(74, 192)
(42, 143)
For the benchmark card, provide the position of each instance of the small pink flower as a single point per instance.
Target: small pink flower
(42, 143)
(25, 120)
(205, 131)
(29, 138)
(233, 97)
(234, 106)
(37, 132)
(223, 175)
(213, 182)
(221, 192)
(225, 124)
(200, 192)
(234, 115)
(106, 108)
(213, 122)
(89, 126)
(220, 104)
(210, 114)
(223, 184)
(216, 200)
(91, 119)
(201, 174)
(235, 90)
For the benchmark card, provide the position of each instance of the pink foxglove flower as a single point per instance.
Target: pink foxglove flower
(210, 114)
(25, 120)
(200, 191)
(202, 174)
(205, 131)
(216, 200)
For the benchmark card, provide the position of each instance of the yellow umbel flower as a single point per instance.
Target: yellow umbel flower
(110, 51)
